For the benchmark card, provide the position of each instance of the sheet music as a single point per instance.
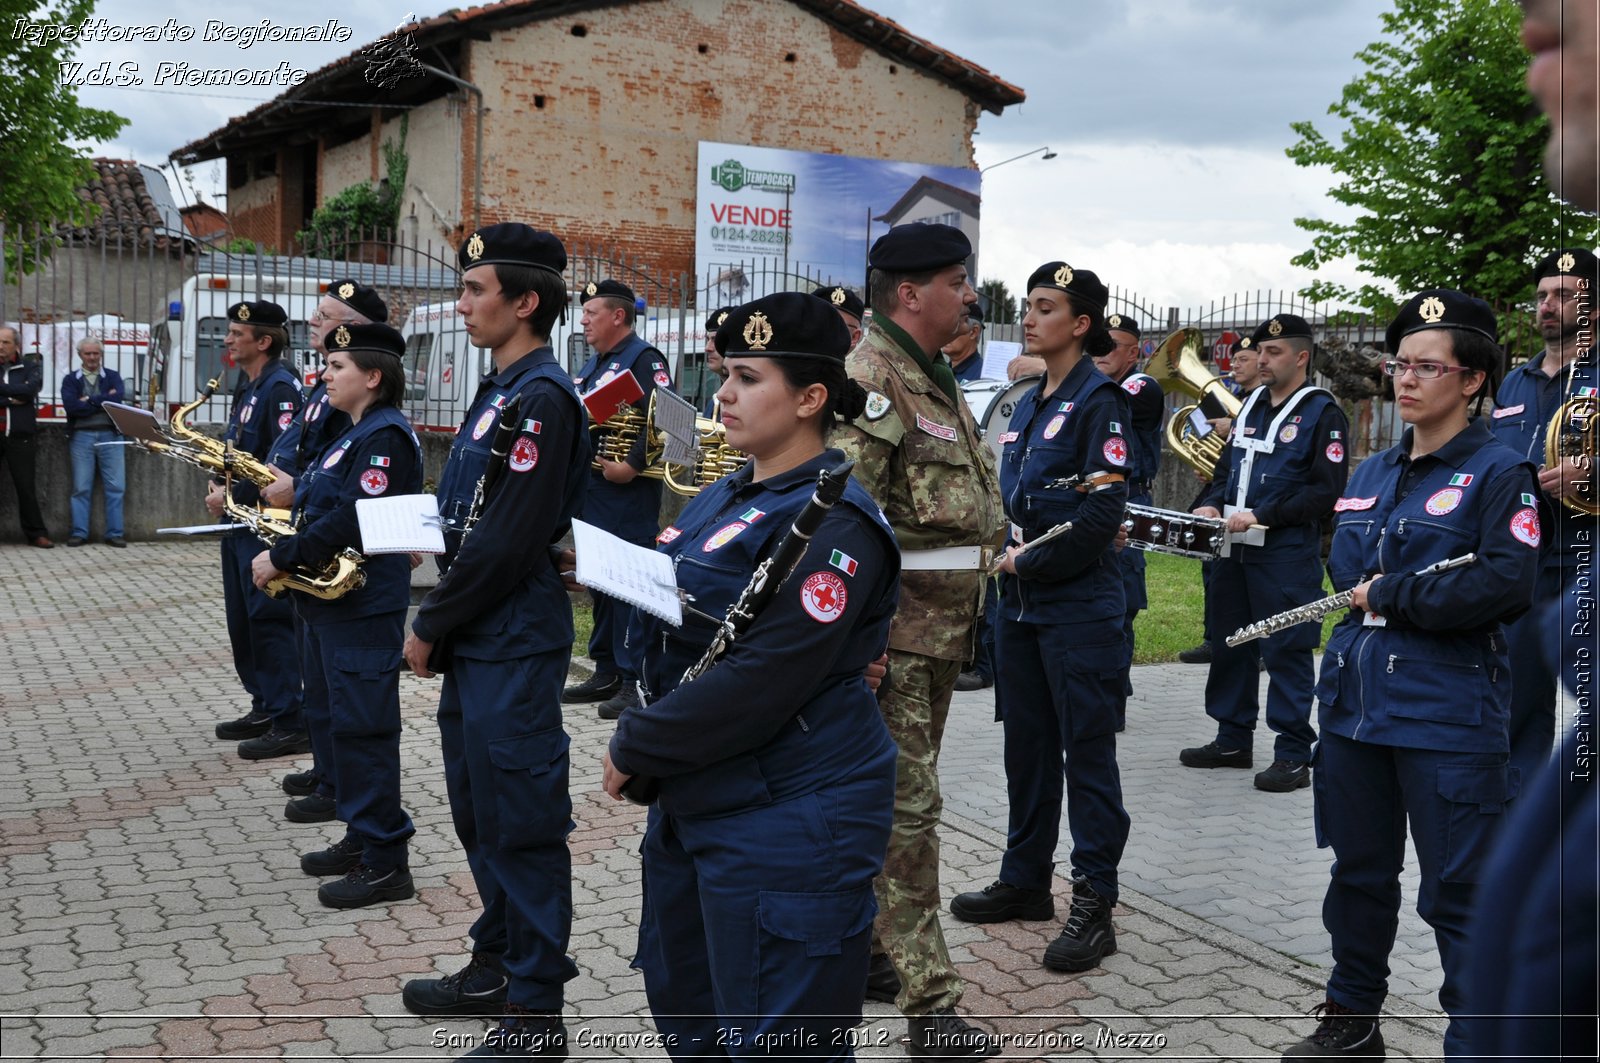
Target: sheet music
(135, 423)
(997, 354)
(635, 574)
(400, 524)
(675, 417)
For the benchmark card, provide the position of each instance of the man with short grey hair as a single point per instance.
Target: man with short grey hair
(20, 383)
(92, 440)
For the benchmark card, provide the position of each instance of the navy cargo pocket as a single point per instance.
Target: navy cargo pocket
(364, 691)
(1476, 796)
(530, 789)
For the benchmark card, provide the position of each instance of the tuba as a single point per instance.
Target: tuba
(1574, 432)
(714, 459)
(1176, 365)
(619, 433)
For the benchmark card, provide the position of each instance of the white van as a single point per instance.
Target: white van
(186, 349)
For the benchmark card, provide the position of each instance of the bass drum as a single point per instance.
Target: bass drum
(993, 402)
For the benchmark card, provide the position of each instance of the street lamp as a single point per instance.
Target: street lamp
(1046, 157)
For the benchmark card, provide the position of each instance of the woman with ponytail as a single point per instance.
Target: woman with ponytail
(1059, 644)
(776, 771)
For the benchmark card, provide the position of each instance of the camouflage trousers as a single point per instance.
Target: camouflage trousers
(915, 709)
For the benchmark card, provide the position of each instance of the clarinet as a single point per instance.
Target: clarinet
(1305, 614)
(763, 587)
(499, 454)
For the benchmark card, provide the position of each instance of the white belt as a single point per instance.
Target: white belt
(947, 559)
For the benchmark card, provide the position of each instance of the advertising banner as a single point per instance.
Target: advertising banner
(769, 219)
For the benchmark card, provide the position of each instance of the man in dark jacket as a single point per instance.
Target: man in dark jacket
(93, 440)
(20, 383)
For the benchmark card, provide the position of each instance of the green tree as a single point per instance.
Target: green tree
(361, 212)
(1002, 307)
(1441, 161)
(40, 120)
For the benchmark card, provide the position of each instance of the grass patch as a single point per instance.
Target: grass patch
(1175, 617)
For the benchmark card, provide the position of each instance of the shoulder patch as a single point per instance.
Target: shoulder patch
(824, 596)
(1345, 505)
(1525, 527)
(877, 405)
(1509, 411)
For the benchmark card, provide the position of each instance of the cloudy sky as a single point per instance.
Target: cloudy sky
(1169, 117)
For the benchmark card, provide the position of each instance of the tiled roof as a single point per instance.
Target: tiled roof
(131, 206)
(345, 74)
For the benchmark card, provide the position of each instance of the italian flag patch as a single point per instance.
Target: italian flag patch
(1527, 499)
(843, 562)
(1461, 479)
(750, 516)
(380, 460)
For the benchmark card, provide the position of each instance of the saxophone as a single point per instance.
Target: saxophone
(341, 575)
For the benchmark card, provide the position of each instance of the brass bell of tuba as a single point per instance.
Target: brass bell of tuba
(618, 434)
(713, 460)
(1574, 432)
(1176, 365)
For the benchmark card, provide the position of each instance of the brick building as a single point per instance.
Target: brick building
(592, 113)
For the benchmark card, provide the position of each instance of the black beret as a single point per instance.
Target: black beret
(609, 289)
(511, 243)
(1282, 327)
(1442, 308)
(259, 312)
(1124, 323)
(785, 325)
(381, 338)
(975, 310)
(1079, 283)
(358, 297)
(1242, 343)
(716, 319)
(1574, 261)
(919, 246)
(842, 299)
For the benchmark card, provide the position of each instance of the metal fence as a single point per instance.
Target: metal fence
(158, 302)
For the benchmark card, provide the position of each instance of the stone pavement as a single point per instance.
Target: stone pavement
(151, 903)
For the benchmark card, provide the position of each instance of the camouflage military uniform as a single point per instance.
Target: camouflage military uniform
(920, 457)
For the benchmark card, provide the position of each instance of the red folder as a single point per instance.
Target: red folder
(604, 401)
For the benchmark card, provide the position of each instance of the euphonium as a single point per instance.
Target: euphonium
(618, 435)
(1574, 432)
(714, 460)
(1176, 365)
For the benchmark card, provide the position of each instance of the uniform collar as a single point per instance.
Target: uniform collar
(1074, 378)
(628, 341)
(902, 339)
(1455, 453)
(534, 357)
(803, 473)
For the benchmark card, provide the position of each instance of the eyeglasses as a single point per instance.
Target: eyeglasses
(1424, 370)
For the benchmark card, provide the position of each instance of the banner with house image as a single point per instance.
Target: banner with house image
(769, 219)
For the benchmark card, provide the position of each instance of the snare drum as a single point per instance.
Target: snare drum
(993, 402)
(1169, 531)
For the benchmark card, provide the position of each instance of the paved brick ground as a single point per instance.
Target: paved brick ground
(151, 902)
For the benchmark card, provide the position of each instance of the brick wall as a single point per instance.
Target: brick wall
(253, 211)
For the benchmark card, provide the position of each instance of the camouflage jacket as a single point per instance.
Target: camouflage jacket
(921, 458)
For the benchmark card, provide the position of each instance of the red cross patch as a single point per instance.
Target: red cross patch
(1116, 450)
(662, 379)
(1335, 452)
(1525, 527)
(374, 481)
(824, 596)
(285, 420)
(524, 454)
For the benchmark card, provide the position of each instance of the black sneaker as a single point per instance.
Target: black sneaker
(275, 743)
(479, 988)
(973, 681)
(1283, 776)
(1088, 936)
(340, 858)
(883, 981)
(301, 783)
(524, 1034)
(597, 687)
(313, 808)
(619, 703)
(943, 1034)
(1212, 755)
(1200, 654)
(1000, 902)
(366, 885)
(1342, 1034)
(250, 725)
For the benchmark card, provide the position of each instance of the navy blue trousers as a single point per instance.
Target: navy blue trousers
(1365, 795)
(1533, 682)
(505, 765)
(261, 632)
(357, 665)
(1239, 594)
(756, 926)
(314, 712)
(1057, 695)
